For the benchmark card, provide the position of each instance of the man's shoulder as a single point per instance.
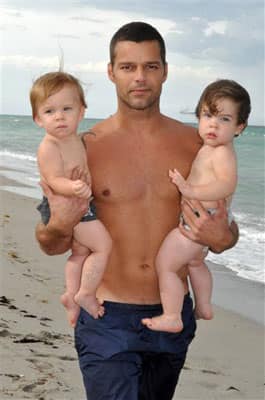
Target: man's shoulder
(98, 131)
(183, 131)
(181, 126)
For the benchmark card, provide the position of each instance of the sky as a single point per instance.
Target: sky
(205, 40)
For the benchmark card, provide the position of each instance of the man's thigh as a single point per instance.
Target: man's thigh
(160, 375)
(132, 376)
(121, 359)
(113, 379)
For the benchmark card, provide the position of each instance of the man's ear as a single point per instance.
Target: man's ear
(165, 72)
(110, 72)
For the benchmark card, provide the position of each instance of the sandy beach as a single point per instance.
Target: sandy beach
(38, 359)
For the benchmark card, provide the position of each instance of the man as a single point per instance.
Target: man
(129, 155)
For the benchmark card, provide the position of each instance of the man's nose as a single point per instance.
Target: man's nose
(140, 74)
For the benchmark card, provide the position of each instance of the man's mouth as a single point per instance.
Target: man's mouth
(139, 91)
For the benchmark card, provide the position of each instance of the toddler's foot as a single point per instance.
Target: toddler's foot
(72, 309)
(89, 303)
(166, 323)
(203, 311)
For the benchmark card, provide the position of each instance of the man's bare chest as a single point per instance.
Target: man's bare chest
(135, 171)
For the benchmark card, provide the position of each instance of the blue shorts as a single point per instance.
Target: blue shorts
(121, 359)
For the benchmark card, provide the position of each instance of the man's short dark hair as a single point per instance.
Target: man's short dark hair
(137, 32)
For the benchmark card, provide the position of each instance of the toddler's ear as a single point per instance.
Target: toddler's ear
(82, 113)
(240, 129)
(37, 121)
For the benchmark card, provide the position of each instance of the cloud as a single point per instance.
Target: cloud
(30, 62)
(65, 36)
(238, 41)
(205, 40)
(216, 28)
(189, 71)
(87, 19)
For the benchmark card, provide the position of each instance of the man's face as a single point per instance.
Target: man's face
(138, 73)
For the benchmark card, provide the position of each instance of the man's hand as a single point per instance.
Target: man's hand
(209, 230)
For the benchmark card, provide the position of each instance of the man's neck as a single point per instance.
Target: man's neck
(146, 120)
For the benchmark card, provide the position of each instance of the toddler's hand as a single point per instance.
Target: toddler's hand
(179, 181)
(176, 177)
(81, 189)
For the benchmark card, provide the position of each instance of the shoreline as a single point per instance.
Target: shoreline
(225, 361)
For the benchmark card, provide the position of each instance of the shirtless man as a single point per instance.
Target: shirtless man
(129, 156)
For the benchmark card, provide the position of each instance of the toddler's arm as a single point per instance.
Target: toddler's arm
(225, 172)
(66, 212)
(52, 170)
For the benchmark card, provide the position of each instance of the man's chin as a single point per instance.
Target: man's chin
(141, 105)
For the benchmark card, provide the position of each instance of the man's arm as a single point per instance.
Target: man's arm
(66, 212)
(213, 231)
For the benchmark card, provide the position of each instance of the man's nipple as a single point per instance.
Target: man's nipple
(106, 192)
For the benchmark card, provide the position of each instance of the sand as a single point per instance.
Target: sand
(38, 359)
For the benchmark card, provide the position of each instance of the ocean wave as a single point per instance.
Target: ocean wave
(18, 155)
(250, 222)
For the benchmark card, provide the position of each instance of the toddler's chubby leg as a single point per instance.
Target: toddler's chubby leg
(96, 238)
(72, 308)
(73, 270)
(175, 252)
(201, 282)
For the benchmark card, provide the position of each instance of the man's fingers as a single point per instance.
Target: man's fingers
(76, 174)
(188, 233)
(79, 174)
(193, 206)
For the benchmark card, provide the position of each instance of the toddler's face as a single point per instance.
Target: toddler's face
(220, 128)
(61, 113)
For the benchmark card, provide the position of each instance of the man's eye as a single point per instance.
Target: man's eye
(67, 108)
(152, 66)
(126, 67)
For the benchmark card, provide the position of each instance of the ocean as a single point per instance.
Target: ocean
(19, 140)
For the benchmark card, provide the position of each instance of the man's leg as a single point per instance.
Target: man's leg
(120, 357)
(113, 379)
(110, 369)
(161, 370)
(160, 375)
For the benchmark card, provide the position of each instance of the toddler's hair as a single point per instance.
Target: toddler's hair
(49, 84)
(221, 89)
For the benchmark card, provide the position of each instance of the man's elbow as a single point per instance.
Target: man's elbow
(49, 251)
(49, 245)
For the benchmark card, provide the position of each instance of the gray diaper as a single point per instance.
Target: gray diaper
(210, 211)
(45, 212)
